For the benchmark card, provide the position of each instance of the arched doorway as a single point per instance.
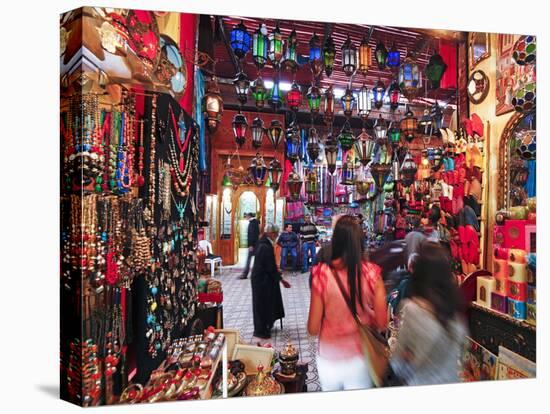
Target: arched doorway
(248, 203)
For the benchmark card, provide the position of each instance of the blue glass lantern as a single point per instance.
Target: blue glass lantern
(240, 40)
(293, 143)
(315, 59)
(409, 77)
(275, 98)
(258, 170)
(379, 91)
(394, 58)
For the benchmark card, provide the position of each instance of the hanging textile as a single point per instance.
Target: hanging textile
(199, 93)
(531, 184)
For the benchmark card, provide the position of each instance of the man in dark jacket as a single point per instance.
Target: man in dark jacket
(288, 240)
(267, 301)
(309, 235)
(253, 232)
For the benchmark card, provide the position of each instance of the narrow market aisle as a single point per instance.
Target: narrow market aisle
(237, 314)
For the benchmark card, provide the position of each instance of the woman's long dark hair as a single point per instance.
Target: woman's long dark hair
(347, 244)
(433, 280)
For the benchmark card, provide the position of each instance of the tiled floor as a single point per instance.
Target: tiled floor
(237, 314)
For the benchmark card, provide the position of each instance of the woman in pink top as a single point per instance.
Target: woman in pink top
(340, 361)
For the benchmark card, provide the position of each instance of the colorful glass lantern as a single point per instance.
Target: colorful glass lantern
(394, 135)
(437, 117)
(240, 40)
(212, 105)
(242, 85)
(409, 125)
(294, 97)
(258, 170)
(380, 55)
(275, 47)
(527, 145)
(380, 130)
(362, 186)
(348, 171)
(379, 91)
(331, 153)
(437, 158)
(294, 185)
(394, 58)
(290, 62)
(293, 143)
(275, 173)
(349, 57)
(313, 147)
(525, 97)
(425, 124)
(364, 146)
(364, 105)
(313, 99)
(408, 170)
(329, 52)
(275, 132)
(312, 181)
(346, 138)
(226, 181)
(328, 105)
(315, 58)
(434, 70)
(409, 77)
(259, 92)
(365, 56)
(240, 125)
(348, 100)
(275, 98)
(259, 46)
(380, 173)
(258, 130)
(394, 95)
(525, 50)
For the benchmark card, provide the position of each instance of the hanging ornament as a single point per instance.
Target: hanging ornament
(525, 50)
(212, 105)
(258, 130)
(259, 92)
(290, 63)
(242, 85)
(313, 99)
(329, 52)
(240, 125)
(362, 186)
(275, 98)
(409, 77)
(294, 97)
(425, 124)
(395, 167)
(313, 147)
(380, 55)
(434, 70)
(527, 145)
(346, 138)
(294, 185)
(348, 171)
(312, 181)
(275, 47)
(240, 40)
(394, 95)
(365, 54)
(394, 58)
(364, 103)
(409, 125)
(275, 132)
(315, 58)
(348, 100)
(349, 57)
(381, 130)
(293, 141)
(525, 96)
(328, 105)
(394, 135)
(260, 46)
(408, 170)
(275, 174)
(380, 174)
(364, 146)
(379, 91)
(258, 170)
(331, 153)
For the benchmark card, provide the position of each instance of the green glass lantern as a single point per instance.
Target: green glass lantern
(525, 50)
(313, 99)
(259, 47)
(380, 55)
(290, 62)
(329, 52)
(275, 47)
(525, 97)
(346, 138)
(394, 135)
(434, 70)
(259, 92)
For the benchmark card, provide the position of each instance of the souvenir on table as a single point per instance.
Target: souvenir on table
(263, 384)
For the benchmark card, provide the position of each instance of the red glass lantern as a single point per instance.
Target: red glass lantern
(294, 97)
(294, 185)
(240, 125)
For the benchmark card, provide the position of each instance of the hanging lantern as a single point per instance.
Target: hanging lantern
(362, 186)
(381, 130)
(379, 91)
(240, 40)
(259, 92)
(365, 59)
(408, 125)
(275, 47)
(313, 147)
(348, 101)
(348, 171)
(364, 145)
(525, 97)
(290, 63)
(312, 181)
(242, 84)
(409, 77)
(395, 167)
(275, 132)
(363, 103)
(437, 117)
(434, 70)
(294, 185)
(313, 99)
(380, 174)
(394, 134)
(331, 153)
(527, 144)
(380, 55)
(293, 143)
(394, 58)
(329, 52)
(275, 174)
(275, 98)
(425, 125)
(328, 105)
(226, 181)
(212, 105)
(346, 138)
(258, 131)
(349, 57)
(240, 125)
(294, 97)
(408, 170)
(525, 50)
(260, 46)
(394, 95)
(437, 158)
(315, 58)
(258, 170)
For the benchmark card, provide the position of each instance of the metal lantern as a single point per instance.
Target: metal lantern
(434, 70)
(394, 95)
(408, 125)
(275, 47)
(242, 85)
(328, 105)
(348, 100)
(290, 62)
(437, 158)
(294, 185)
(525, 96)
(212, 105)
(379, 91)
(394, 135)
(240, 125)
(394, 58)
(313, 147)
(258, 170)
(331, 153)
(259, 92)
(313, 99)
(275, 132)
(364, 146)
(362, 186)
(408, 170)
(364, 105)
(437, 117)
(259, 46)
(380, 172)
(312, 181)
(365, 59)
(409, 77)
(240, 40)
(380, 55)
(349, 57)
(275, 173)
(294, 97)
(275, 98)
(346, 138)
(329, 52)
(525, 50)
(293, 143)
(380, 130)
(425, 124)
(348, 171)
(258, 130)
(315, 58)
